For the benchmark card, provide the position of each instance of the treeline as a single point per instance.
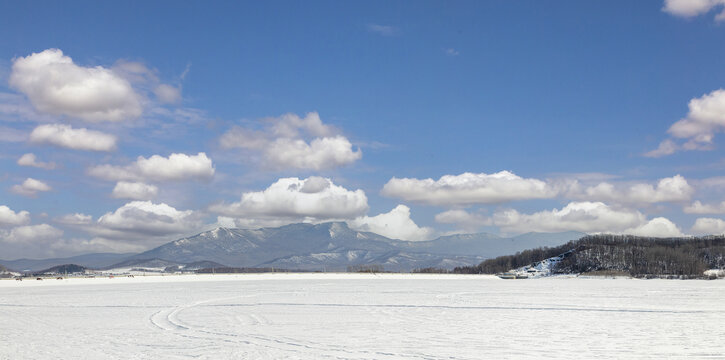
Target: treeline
(62, 269)
(242, 270)
(521, 258)
(635, 255)
(366, 268)
(644, 256)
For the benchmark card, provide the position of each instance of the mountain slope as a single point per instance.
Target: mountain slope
(335, 246)
(332, 246)
(250, 248)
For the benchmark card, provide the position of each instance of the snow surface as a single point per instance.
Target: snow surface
(539, 269)
(360, 316)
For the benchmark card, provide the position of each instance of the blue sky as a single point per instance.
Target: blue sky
(125, 126)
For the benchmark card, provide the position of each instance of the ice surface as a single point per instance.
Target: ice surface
(360, 316)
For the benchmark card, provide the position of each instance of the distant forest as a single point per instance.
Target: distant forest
(636, 255)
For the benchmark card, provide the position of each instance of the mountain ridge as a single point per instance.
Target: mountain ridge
(304, 246)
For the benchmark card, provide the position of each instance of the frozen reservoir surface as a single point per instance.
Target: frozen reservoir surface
(360, 316)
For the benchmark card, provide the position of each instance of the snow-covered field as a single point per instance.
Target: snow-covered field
(360, 316)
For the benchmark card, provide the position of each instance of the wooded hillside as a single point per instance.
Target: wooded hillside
(638, 256)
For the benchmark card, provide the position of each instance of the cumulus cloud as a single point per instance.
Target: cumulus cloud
(709, 226)
(134, 191)
(30, 187)
(691, 8)
(33, 233)
(78, 139)
(657, 227)
(395, 224)
(696, 131)
(590, 217)
(225, 221)
(30, 159)
(671, 189)
(54, 84)
(158, 168)
(320, 153)
(131, 228)
(146, 79)
(44, 241)
(462, 219)
(138, 220)
(699, 208)
(469, 189)
(290, 141)
(10, 217)
(666, 147)
(291, 200)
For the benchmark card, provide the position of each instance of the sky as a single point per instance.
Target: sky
(127, 125)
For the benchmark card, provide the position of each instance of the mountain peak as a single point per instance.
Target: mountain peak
(337, 228)
(220, 230)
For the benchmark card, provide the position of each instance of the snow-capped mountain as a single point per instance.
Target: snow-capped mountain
(334, 246)
(328, 246)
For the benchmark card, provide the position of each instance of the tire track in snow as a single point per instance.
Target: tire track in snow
(168, 320)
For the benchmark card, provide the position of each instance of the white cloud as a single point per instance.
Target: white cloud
(705, 118)
(131, 228)
(30, 159)
(30, 187)
(699, 208)
(384, 30)
(320, 153)
(138, 220)
(33, 233)
(691, 8)
(225, 221)
(10, 217)
(666, 147)
(55, 85)
(75, 219)
(709, 226)
(469, 189)
(590, 217)
(134, 190)
(657, 227)
(78, 139)
(671, 189)
(146, 80)
(291, 200)
(293, 142)
(706, 115)
(158, 168)
(395, 224)
(44, 241)
(167, 94)
(462, 219)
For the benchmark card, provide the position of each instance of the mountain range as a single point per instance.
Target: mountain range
(328, 246)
